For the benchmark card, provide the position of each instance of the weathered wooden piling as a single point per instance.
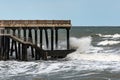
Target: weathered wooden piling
(56, 38)
(17, 36)
(41, 37)
(19, 45)
(31, 40)
(24, 52)
(68, 42)
(46, 35)
(52, 39)
(8, 47)
(19, 51)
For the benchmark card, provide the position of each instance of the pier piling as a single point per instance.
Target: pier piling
(56, 38)
(47, 41)
(52, 39)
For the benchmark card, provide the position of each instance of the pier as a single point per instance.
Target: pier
(19, 38)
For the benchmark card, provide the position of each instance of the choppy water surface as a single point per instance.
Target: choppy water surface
(97, 57)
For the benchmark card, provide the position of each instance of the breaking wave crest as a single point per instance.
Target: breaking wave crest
(107, 42)
(109, 36)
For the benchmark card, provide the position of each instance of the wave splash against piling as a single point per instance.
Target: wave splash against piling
(85, 51)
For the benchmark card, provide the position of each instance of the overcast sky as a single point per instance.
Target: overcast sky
(80, 12)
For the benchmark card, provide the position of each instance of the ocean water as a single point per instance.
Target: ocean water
(97, 57)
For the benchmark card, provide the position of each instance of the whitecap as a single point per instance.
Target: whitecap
(108, 42)
(114, 36)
